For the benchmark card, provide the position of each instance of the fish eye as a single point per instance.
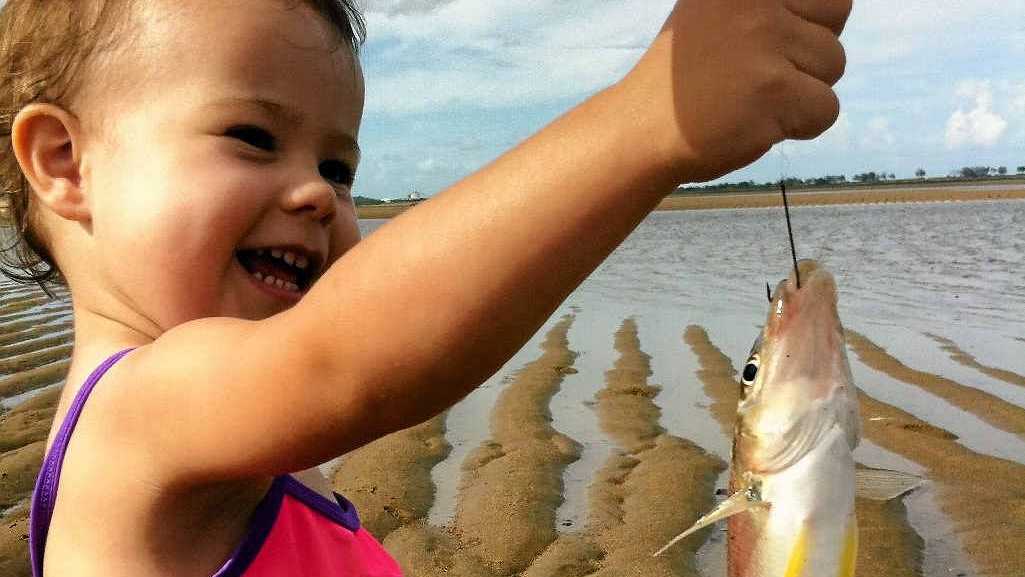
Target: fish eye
(750, 370)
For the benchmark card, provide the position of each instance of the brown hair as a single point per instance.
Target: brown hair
(46, 47)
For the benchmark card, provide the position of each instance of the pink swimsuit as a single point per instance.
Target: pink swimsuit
(294, 530)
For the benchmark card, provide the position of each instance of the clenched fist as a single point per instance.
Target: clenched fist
(726, 79)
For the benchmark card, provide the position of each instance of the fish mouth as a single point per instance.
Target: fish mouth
(813, 304)
(803, 348)
(803, 343)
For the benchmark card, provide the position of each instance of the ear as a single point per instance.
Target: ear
(46, 141)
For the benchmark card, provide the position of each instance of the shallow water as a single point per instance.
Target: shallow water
(903, 271)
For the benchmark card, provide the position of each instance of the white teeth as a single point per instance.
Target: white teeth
(272, 281)
(288, 257)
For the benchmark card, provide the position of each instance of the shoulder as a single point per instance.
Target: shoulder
(111, 489)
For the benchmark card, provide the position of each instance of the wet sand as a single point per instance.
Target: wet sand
(651, 486)
(512, 484)
(23, 433)
(667, 482)
(991, 409)
(983, 496)
(651, 489)
(718, 377)
(960, 356)
(699, 200)
(839, 196)
(389, 481)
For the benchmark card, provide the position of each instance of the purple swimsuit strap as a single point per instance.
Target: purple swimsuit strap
(340, 511)
(45, 494)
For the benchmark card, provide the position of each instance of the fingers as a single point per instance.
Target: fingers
(814, 50)
(809, 108)
(829, 13)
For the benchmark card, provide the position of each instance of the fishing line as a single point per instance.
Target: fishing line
(786, 211)
(790, 232)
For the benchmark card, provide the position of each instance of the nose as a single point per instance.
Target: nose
(314, 198)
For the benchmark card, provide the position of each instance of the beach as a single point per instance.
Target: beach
(609, 432)
(861, 194)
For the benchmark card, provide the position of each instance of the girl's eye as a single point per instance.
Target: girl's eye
(253, 136)
(336, 172)
(750, 371)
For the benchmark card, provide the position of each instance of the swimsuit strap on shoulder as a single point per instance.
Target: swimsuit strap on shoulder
(45, 494)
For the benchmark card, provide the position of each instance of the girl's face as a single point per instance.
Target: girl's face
(226, 157)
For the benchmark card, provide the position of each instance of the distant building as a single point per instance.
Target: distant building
(415, 196)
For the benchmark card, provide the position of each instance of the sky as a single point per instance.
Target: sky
(451, 84)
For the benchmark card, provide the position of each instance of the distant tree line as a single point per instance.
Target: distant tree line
(365, 200)
(860, 178)
(874, 177)
(983, 171)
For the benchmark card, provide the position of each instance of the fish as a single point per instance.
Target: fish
(793, 478)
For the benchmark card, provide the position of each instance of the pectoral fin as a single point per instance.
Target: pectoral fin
(882, 484)
(804, 434)
(739, 502)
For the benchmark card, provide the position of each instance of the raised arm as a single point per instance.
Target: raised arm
(490, 258)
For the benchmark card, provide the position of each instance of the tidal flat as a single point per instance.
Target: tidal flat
(609, 431)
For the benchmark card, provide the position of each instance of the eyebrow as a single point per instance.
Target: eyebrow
(293, 117)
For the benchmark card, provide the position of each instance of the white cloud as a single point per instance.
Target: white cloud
(1018, 99)
(392, 7)
(838, 136)
(426, 165)
(459, 60)
(980, 125)
(878, 134)
(495, 53)
(1016, 42)
(886, 33)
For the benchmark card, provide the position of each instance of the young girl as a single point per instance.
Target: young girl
(185, 167)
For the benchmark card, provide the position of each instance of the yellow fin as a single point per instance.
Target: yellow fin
(849, 557)
(798, 555)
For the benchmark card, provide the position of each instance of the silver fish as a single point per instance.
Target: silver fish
(791, 513)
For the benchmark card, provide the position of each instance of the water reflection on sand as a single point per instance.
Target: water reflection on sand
(934, 288)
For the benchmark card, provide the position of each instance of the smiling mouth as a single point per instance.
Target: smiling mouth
(288, 269)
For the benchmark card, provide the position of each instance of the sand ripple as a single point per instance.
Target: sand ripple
(652, 486)
(989, 408)
(960, 356)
